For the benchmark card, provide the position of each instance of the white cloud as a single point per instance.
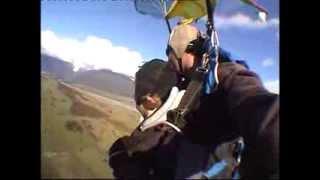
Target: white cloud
(267, 62)
(95, 52)
(272, 86)
(244, 21)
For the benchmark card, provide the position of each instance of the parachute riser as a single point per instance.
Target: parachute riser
(211, 31)
(210, 25)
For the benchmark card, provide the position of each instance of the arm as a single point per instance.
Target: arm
(255, 111)
(131, 157)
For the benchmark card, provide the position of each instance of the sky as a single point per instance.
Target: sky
(111, 34)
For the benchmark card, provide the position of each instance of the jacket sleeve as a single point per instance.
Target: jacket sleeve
(255, 113)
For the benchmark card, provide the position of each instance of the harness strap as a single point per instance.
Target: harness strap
(192, 93)
(216, 169)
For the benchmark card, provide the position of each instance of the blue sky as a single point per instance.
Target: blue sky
(79, 31)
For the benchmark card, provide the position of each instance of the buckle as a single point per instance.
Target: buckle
(239, 147)
(202, 69)
(175, 116)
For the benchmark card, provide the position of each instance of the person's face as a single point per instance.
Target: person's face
(187, 63)
(151, 102)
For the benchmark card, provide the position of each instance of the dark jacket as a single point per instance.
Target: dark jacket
(241, 106)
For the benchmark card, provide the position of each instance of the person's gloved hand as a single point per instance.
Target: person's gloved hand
(142, 141)
(129, 155)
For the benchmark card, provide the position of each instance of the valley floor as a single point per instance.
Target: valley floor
(77, 129)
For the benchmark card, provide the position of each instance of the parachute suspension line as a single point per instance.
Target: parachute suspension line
(164, 8)
(168, 24)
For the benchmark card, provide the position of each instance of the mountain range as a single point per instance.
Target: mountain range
(101, 79)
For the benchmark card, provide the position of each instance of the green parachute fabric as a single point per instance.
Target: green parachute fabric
(155, 8)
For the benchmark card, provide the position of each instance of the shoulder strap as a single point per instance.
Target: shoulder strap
(191, 95)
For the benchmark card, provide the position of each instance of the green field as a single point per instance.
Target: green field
(77, 130)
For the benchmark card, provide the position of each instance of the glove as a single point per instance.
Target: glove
(129, 156)
(142, 141)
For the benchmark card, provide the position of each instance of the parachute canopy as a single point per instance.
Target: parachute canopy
(155, 8)
(190, 10)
